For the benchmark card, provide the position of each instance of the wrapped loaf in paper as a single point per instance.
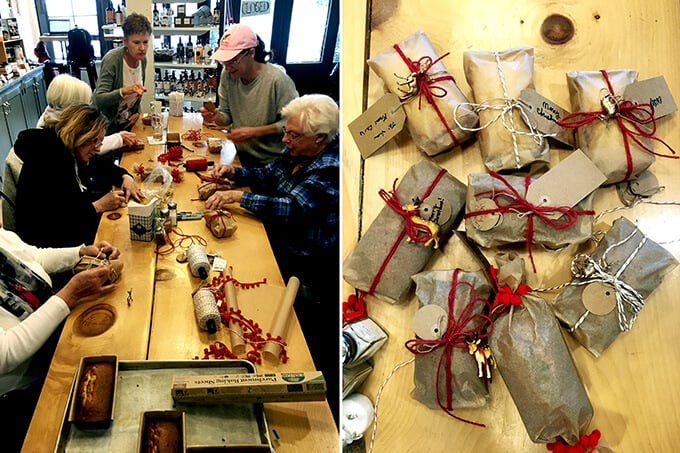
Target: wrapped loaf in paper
(496, 213)
(465, 387)
(220, 223)
(497, 78)
(611, 285)
(539, 372)
(602, 139)
(398, 244)
(413, 71)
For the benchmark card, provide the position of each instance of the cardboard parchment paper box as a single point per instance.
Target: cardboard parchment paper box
(249, 388)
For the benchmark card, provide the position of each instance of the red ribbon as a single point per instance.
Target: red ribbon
(425, 84)
(458, 331)
(505, 296)
(630, 117)
(354, 308)
(220, 215)
(404, 231)
(519, 204)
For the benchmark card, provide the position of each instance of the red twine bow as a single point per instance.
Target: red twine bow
(425, 84)
(630, 117)
(505, 296)
(174, 153)
(458, 331)
(354, 308)
(586, 444)
(404, 231)
(520, 205)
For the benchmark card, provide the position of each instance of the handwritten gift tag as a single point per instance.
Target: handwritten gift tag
(544, 114)
(566, 183)
(653, 91)
(378, 125)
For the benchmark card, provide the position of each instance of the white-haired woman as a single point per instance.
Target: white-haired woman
(297, 198)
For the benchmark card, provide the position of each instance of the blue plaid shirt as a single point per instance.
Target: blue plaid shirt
(301, 209)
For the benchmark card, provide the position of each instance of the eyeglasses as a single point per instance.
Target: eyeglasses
(234, 61)
(293, 136)
(97, 143)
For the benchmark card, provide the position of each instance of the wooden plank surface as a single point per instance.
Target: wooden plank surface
(127, 334)
(631, 386)
(160, 323)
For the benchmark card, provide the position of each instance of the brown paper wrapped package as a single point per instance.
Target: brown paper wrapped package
(220, 223)
(497, 143)
(602, 141)
(539, 372)
(426, 128)
(644, 273)
(513, 226)
(467, 388)
(362, 264)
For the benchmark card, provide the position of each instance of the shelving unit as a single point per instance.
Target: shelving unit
(161, 68)
(7, 49)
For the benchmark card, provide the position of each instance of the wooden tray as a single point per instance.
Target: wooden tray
(145, 386)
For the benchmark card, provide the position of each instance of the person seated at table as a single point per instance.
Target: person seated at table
(251, 94)
(54, 207)
(64, 90)
(297, 197)
(26, 345)
(120, 85)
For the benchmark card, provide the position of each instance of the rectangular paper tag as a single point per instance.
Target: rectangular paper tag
(219, 264)
(653, 91)
(378, 125)
(566, 183)
(544, 114)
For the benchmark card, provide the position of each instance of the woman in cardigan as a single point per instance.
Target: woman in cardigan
(121, 78)
(53, 206)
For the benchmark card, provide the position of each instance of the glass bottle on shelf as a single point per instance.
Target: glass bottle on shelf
(166, 84)
(123, 7)
(164, 16)
(216, 14)
(207, 52)
(180, 51)
(119, 16)
(156, 16)
(171, 15)
(158, 83)
(189, 51)
(198, 52)
(109, 13)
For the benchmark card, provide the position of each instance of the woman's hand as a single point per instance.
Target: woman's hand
(129, 138)
(101, 249)
(222, 197)
(109, 202)
(136, 89)
(223, 171)
(132, 120)
(130, 189)
(86, 283)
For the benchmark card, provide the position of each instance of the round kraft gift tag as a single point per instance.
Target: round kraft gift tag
(485, 222)
(599, 298)
(645, 185)
(435, 209)
(429, 323)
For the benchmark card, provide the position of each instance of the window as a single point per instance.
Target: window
(63, 15)
(308, 26)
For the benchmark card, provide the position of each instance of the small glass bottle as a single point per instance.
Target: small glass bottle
(172, 207)
(165, 220)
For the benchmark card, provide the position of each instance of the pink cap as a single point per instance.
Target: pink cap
(236, 39)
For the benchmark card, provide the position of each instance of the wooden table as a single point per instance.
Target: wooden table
(159, 323)
(633, 385)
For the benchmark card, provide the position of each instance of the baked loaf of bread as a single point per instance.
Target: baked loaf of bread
(162, 436)
(94, 397)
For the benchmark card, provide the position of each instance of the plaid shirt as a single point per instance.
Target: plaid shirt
(301, 210)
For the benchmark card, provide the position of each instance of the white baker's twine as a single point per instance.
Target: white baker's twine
(636, 201)
(588, 270)
(377, 400)
(505, 108)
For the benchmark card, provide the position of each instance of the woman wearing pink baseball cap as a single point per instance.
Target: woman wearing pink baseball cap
(251, 93)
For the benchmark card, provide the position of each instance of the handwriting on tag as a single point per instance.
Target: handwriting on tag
(544, 114)
(566, 183)
(652, 91)
(378, 125)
